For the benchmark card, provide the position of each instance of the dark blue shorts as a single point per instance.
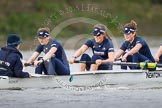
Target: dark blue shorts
(86, 57)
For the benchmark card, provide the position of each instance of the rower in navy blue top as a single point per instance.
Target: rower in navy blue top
(54, 62)
(102, 49)
(11, 59)
(134, 49)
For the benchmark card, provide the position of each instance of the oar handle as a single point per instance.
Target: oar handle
(29, 64)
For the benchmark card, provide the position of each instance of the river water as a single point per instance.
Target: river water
(115, 97)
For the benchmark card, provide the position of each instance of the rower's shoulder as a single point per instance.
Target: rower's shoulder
(139, 38)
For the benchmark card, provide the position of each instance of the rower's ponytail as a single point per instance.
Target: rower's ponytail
(132, 24)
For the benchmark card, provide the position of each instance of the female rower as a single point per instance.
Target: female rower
(134, 48)
(54, 62)
(102, 48)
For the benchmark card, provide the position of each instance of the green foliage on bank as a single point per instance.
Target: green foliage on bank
(73, 17)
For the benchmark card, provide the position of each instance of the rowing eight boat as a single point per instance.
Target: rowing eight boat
(85, 80)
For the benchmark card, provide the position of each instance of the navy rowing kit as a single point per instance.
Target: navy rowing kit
(10, 63)
(57, 64)
(144, 54)
(100, 51)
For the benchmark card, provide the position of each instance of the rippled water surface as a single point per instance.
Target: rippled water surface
(108, 97)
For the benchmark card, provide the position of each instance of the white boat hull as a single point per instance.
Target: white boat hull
(85, 80)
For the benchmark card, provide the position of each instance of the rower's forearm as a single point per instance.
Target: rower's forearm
(50, 54)
(158, 54)
(47, 56)
(117, 56)
(78, 53)
(108, 60)
(30, 60)
(33, 57)
(119, 53)
(133, 51)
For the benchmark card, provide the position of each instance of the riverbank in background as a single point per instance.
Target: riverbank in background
(24, 17)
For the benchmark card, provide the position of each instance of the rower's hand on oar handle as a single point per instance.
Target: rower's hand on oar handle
(72, 60)
(98, 62)
(124, 58)
(36, 63)
(156, 59)
(24, 63)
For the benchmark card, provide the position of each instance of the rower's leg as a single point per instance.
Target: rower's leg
(83, 66)
(141, 58)
(51, 67)
(105, 67)
(59, 68)
(40, 68)
(101, 67)
(94, 66)
(129, 59)
(137, 58)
